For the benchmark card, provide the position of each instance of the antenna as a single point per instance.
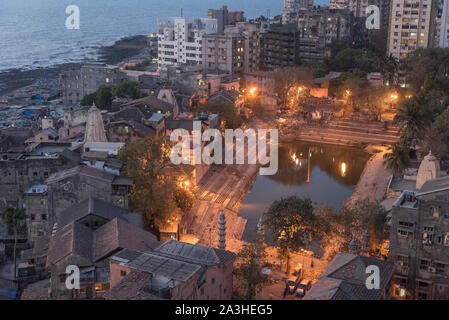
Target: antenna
(182, 13)
(268, 14)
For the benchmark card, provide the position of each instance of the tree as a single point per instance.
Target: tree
(284, 79)
(250, 260)
(414, 116)
(104, 97)
(105, 94)
(227, 112)
(398, 158)
(157, 188)
(351, 222)
(437, 135)
(292, 224)
(13, 218)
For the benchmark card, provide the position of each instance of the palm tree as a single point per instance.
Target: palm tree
(389, 66)
(398, 158)
(413, 117)
(13, 217)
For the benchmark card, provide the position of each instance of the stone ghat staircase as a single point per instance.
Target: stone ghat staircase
(349, 132)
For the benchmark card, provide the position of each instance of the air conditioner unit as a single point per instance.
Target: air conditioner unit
(432, 269)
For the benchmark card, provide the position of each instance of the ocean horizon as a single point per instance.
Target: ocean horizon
(33, 33)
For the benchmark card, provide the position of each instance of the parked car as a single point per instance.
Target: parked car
(303, 287)
(291, 282)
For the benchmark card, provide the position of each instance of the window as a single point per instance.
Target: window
(435, 210)
(424, 265)
(122, 273)
(44, 217)
(440, 268)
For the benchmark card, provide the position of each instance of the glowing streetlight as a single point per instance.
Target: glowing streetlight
(252, 90)
(394, 96)
(348, 92)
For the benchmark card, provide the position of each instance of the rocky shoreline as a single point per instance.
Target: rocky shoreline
(123, 49)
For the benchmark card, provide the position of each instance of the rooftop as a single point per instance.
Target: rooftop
(345, 279)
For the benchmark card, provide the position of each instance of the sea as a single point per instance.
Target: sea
(33, 33)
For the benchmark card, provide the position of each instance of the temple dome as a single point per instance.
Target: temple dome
(94, 126)
(429, 169)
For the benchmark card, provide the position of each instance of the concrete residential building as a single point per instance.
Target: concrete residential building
(180, 39)
(223, 53)
(444, 26)
(173, 271)
(222, 16)
(291, 8)
(419, 242)
(279, 47)
(318, 28)
(410, 26)
(75, 84)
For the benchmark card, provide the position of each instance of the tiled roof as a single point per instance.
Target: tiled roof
(170, 268)
(345, 278)
(41, 246)
(74, 238)
(152, 102)
(195, 253)
(81, 170)
(117, 234)
(37, 291)
(434, 185)
(92, 206)
(130, 287)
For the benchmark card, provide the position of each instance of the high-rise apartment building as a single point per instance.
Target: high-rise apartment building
(444, 26)
(410, 26)
(291, 9)
(180, 39)
(222, 16)
(318, 28)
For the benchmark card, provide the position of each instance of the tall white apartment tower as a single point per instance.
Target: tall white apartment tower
(410, 26)
(180, 39)
(444, 29)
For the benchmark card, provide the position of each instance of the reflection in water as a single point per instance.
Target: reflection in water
(334, 171)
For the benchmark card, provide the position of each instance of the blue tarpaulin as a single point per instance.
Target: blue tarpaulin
(10, 293)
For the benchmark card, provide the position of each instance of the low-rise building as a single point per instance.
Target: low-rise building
(345, 279)
(75, 84)
(173, 271)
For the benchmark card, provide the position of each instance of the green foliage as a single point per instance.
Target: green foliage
(227, 111)
(140, 66)
(185, 199)
(415, 115)
(437, 135)
(428, 70)
(13, 218)
(287, 78)
(105, 94)
(250, 260)
(155, 191)
(354, 59)
(293, 224)
(398, 157)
